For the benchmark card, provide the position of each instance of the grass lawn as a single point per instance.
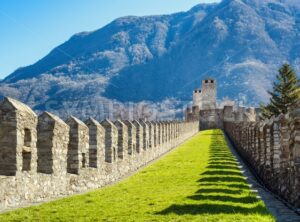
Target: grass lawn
(199, 181)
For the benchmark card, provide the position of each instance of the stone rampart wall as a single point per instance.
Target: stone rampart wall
(43, 157)
(272, 148)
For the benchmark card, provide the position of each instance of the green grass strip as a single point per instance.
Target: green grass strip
(199, 181)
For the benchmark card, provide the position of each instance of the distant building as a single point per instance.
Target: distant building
(206, 98)
(204, 108)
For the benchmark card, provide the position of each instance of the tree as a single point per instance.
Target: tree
(286, 92)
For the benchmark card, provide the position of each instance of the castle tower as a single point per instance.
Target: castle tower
(197, 101)
(208, 94)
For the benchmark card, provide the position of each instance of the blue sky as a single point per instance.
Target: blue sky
(30, 29)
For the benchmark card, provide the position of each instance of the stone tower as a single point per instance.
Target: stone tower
(197, 99)
(208, 94)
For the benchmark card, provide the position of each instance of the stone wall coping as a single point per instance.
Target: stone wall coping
(53, 117)
(143, 123)
(136, 123)
(119, 123)
(92, 121)
(18, 105)
(129, 123)
(107, 122)
(75, 120)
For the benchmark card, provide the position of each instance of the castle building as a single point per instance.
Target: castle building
(204, 103)
(205, 109)
(206, 98)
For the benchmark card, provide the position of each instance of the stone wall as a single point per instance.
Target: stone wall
(211, 119)
(272, 148)
(214, 118)
(42, 158)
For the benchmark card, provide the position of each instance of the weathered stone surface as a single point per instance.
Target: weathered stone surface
(272, 147)
(145, 135)
(122, 139)
(131, 137)
(18, 138)
(78, 150)
(96, 143)
(111, 141)
(151, 134)
(52, 144)
(139, 136)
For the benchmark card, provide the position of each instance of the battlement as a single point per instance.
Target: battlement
(42, 157)
(272, 148)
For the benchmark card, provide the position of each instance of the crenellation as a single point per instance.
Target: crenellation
(96, 143)
(151, 134)
(257, 144)
(18, 138)
(272, 147)
(160, 136)
(44, 158)
(275, 154)
(167, 132)
(145, 134)
(111, 141)
(139, 136)
(78, 149)
(131, 137)
(155, 134)
(163, 132)
(122, 139)
(172, 133)
(52, 144)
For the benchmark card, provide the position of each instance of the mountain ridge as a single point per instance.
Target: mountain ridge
(76, 38)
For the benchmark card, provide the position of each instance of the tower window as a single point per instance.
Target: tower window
(27, 137)
(83, 160)
(26, 156)
(206, 81)
(212, 81)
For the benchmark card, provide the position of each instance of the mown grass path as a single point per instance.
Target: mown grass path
(199, 181)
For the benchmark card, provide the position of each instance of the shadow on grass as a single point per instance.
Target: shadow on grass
(224, 198)
(218, 190)
(223, 190)
(220, 167)
(212, 209)
(221, 157)
(222, 173)
(221, 179)
(230, 185)
(223, 162)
